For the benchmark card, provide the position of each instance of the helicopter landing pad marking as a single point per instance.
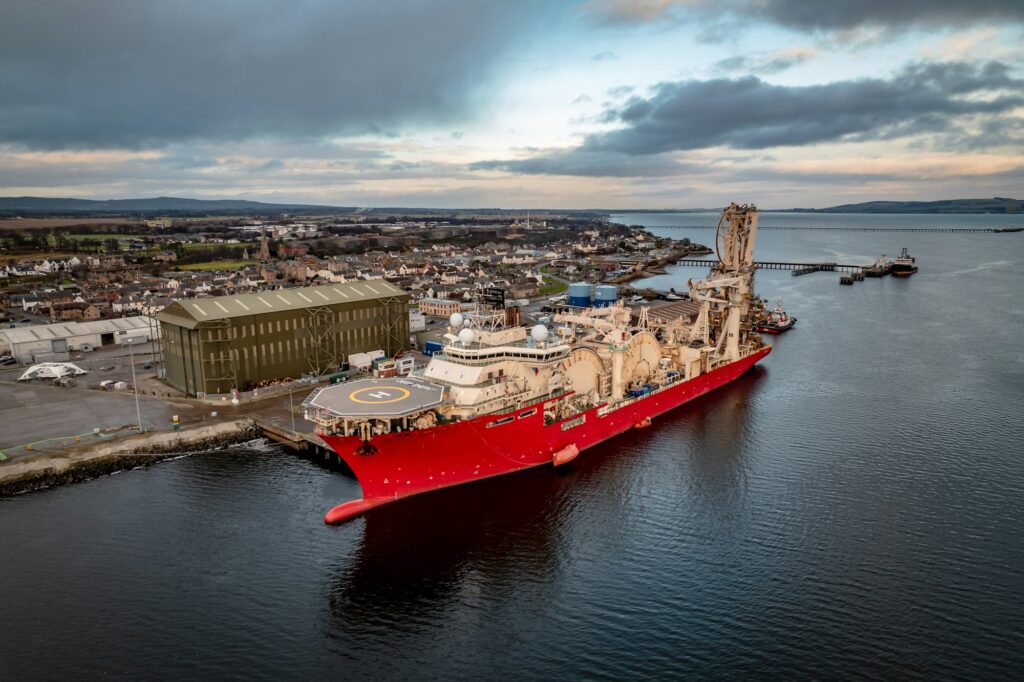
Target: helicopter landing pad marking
(380, 395)
(376, 397)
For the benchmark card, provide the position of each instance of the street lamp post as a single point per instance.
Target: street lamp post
(291, 408)
(135, 386)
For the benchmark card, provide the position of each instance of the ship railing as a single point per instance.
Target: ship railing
(608, 408)
(554, 355)
(482, 384)
(511, 401)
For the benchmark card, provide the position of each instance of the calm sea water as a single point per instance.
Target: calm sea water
(852, 508)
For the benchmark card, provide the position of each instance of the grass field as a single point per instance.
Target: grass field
(216, 265)
(552, 286)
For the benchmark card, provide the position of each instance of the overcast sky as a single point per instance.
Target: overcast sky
(469, 103)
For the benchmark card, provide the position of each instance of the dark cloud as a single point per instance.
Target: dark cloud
(730, 64)
(590, 163)
(763, 64)
(805, 15)
(270, 165)
(748, 113)
(812, 16)
(123, 73)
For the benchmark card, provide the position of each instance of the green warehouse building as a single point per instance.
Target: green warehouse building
(214, 345)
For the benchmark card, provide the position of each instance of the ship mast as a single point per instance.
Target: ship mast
(730, 284)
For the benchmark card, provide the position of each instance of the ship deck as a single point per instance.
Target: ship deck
(363, 398)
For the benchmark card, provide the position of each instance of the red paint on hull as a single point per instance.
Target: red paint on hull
(413, 462)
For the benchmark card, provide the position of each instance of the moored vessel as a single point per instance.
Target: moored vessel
(881, 267)
(776, 321)
(905, 265)
(500, 398)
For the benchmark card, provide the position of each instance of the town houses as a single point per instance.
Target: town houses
(438, 263)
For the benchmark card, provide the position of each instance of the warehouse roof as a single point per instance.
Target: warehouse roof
(66, 330)
(188, 312)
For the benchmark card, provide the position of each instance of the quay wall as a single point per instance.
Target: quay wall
(101, 459)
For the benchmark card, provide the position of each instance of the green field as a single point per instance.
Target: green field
(552, 286)
(216, 265)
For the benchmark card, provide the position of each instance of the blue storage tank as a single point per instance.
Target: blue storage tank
(605, 295)
(580, 294)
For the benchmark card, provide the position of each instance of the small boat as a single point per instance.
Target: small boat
(881, 267)
(905, 265)
(777, 321)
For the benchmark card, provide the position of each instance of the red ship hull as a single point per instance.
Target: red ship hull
(412, 462)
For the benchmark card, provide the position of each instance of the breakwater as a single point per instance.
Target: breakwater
(48, 470)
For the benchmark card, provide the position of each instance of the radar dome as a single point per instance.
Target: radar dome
(455, 320)
(539, 333)
(466, 336)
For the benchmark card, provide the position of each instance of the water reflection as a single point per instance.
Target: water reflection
(419, 557)
(426, 557)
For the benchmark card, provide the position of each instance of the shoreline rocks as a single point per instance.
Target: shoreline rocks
(101, 459)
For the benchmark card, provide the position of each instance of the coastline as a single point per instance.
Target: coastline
(52, 469)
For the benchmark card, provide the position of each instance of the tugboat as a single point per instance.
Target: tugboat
(882, 267)
(776, 321)
(905, 265)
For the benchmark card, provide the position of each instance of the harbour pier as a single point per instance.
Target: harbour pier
(797, 268)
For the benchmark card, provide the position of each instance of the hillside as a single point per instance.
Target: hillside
(35, 205)
(994, 205)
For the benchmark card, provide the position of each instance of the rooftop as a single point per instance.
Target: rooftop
(63, 330)
(224, 307)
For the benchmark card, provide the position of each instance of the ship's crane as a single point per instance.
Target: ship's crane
(730, 284)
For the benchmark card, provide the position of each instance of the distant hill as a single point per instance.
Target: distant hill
(994, 205)
(36, 205)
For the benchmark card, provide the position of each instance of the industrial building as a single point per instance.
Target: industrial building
(216, 345)
(52, 342)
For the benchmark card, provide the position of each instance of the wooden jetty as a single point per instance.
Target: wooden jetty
(308, 445)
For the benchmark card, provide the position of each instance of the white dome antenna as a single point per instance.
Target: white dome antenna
(455, 320)
(539, 333)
